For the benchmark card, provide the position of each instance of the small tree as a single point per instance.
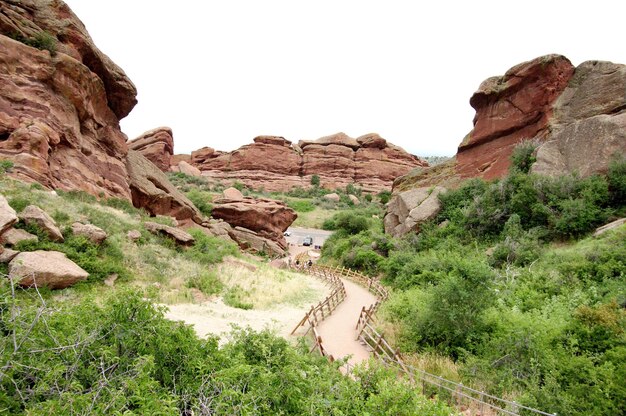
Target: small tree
(315, 180)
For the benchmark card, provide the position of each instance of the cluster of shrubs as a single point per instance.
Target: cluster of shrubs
(505, 283)
(119, 355)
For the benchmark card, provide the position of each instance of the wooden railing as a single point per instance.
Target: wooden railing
(323, 309)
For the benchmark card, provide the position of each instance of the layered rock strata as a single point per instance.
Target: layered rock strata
(156, 145)
(276, 164)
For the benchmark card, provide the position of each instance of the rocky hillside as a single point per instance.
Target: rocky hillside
(61, 100)
(575, 116)
(276, 164)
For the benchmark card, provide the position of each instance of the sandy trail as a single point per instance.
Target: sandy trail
(338, 330)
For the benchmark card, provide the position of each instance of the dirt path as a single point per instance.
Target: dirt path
(338, 331)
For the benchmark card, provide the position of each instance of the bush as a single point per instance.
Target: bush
(315, 180)
(5, 166)
(202, 201)
(616, 178)
(207, 249)
(234, 297)
(301, 205)
(384, 196)
(206, 282)
(523, 156)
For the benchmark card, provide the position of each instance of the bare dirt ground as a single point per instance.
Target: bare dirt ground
(337, 331)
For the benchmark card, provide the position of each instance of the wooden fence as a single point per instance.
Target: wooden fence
(323, 309)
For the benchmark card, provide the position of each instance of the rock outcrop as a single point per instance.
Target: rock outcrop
(265, 218)
(589, 122)
(276, 164)
(156, 145)
(60, 108)
(13, 236)
(509, 109)
(151, 190)
(576, 116)
(45, 268)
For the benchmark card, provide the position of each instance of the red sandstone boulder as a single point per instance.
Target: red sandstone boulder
(265, 217)
(49, 269)
(200, 156)
(156, 145)
(275, 140)
(59, 114)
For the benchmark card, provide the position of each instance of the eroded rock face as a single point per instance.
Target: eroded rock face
(510, 109)
(59, 114)
(589, 123)
(267, 218)
(152, 190)
(156, 145)
(51, 269)
(13, 236)
(276, 164)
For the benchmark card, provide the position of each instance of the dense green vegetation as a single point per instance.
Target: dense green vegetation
(118, 355)
(507, 282)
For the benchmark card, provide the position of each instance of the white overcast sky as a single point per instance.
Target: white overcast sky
(222, 72)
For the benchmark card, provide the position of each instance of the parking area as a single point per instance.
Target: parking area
(298, 236)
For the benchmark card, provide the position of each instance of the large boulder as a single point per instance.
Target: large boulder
(60, 112)
(188, 169)
(407, 210)
(33, 215)
(249, 240)
(49, 269)
(152, 190)
(8, 217)
(265, 217)
(156, 145)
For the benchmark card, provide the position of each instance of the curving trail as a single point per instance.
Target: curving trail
(338, 330)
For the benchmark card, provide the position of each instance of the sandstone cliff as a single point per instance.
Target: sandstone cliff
(277, 164)
(577, 117)
(60, 105)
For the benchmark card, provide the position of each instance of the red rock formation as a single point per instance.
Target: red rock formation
(59, 112)
(156, 145)
(265, 217)
(275, 164)
(510, 109)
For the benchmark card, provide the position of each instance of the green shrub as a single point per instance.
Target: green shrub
(206, 282)
(5, 166)
(301, 205)
(315, 180)
(384, 196)
(523, 156)
(19, 203)
(207, 249)
(234, 297)
(202, 200)
(616, 178)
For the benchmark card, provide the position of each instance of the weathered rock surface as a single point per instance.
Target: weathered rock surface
(151, 190)
(266, 218)
(33, 215)
(407, 210)
(510, 109)
(59, 113)
(180, 236)
(133, 235)
(276, 164)
(156, 145)
(13, 236)
(45, 268)
(94, 234)
(188, 169)
(8, 217)
(249, 240)
(589, 123)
